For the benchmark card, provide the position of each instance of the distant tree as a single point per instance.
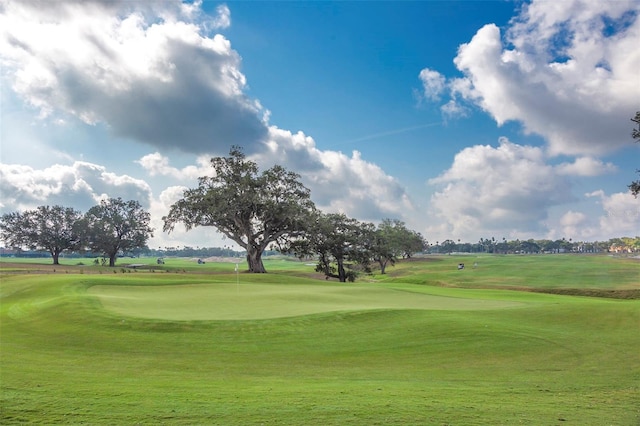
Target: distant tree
(503, 247)
(529, 246)
(14, 230)
(252, 209)
(337, 240)
(53, 229)
(412, 242)
(635, 134)
(630, 243)
(116, 226)
(448, 246)
(546, 245)
(487, 245)
(387, 246)
(393, 241)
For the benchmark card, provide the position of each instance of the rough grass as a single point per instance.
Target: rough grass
(555, 359)
(588, 275)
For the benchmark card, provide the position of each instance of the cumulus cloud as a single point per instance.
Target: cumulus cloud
(433, 83)
(621, 213)
(453, 109)
(157, 164)
(81, 185)
(148, 70)
(503, 189)
(222, 19)
(338, 182)
(572, 218)
(567, 71)
(586, 166)
(575, 224)
(206, 236)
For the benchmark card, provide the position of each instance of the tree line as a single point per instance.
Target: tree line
(111, 227)
(273, 209)
(491, 245)
(259, 211)
(264, 211)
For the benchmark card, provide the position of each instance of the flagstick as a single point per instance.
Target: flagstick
(237, 280)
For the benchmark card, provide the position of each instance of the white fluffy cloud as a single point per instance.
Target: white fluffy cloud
(566, 70)
(433, 83)
(618, 215)
(576, 225)
(621, 213)
(586, 166)
(157, 164)
(338, 182)
(505, 189)
(81, 185)
(148, 70)
(511, 189)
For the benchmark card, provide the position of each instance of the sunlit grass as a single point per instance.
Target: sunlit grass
(67, 358)
(236, 301)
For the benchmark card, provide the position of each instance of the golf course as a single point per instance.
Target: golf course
(509, 339)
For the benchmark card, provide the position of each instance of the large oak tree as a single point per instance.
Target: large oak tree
(251, 208)
(47, 228)
(338, 241)
(116, 226)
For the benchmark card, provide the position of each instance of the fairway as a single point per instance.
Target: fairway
(262, 301)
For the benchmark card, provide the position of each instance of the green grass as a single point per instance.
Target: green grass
(537, 272)
(235, 301)
(407, 348)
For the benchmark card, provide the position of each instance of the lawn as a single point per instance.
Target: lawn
(424, 344)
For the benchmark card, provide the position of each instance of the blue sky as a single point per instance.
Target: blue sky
(463, 119)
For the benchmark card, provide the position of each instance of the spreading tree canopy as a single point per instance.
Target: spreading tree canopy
(337, 240)
(393, 240)
(116, 226)
(53, 229)
(251, 208)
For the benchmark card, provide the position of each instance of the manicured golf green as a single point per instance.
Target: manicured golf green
(260, 301)
(99, 346)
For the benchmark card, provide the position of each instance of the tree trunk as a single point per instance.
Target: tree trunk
(254, 260)
(112, 260)
(383, 265)
(55, 255)
(342, 275)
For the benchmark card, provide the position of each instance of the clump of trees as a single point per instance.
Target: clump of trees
(52, 229)
(531, 246)
(344, 245)
(257, 210)
(116, 226)
(109, 228)
(338, 241)
(274, 209)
